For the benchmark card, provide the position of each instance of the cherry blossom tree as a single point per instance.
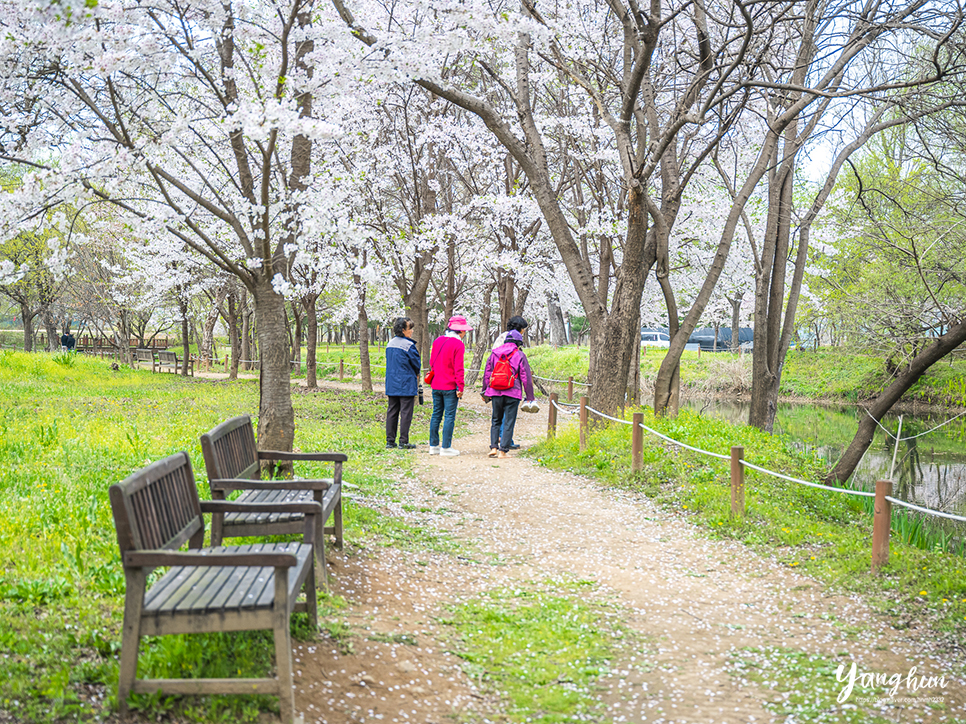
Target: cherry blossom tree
(197, 120)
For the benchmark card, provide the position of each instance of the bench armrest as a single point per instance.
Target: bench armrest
(229, 506)
(159, 558)
(246, 484)
(317, 457)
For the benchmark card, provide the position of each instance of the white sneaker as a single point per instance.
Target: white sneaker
(449, 452)
(434, 450)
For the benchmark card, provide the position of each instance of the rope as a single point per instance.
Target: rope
(936, 427)
(848, 491)
(569, 412)
(743, 462)
(928, 511)
(551, 379)
(885, 430)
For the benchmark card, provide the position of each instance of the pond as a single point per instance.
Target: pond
(930, 463)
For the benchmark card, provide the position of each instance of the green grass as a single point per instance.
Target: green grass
(543, 649)
(823, 533)
(70, 430)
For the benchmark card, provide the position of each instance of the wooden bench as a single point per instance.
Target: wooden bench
(239, 588)
(168, 360)
(233, 462)
(145, 356)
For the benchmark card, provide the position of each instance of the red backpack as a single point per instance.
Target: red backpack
(503, 377)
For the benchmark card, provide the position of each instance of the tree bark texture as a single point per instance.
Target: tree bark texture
(233, 334)
(276, 416)
(311, 340)
(366, 370)
(185, 334)
(28, 327)
(207, 351)
(482, 336)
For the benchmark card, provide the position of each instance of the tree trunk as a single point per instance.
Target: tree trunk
(482, 337)
(311, 340)
(449, 304)
(297, 336)
(185, 332)
(614, 339)
(28, 327)
(206, 353)
(233, 335)
(53, 338)
(276, 417)
(890, 395)
(767, 359)
(246, 331)
(122, 336)
(735, 321)
(558, 329)
(366, 371)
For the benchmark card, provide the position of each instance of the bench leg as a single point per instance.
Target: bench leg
(337, 523)
(312, 600)
(217, 526)
(135, 581)
(318, 550)
(283, 647)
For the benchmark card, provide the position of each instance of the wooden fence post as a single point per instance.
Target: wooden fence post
(637, 443)
(552, 419)
(583, 423)
(737, 482)
(341, 369)
(881, 525)
(570, 389)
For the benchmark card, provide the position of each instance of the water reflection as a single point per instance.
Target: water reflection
(929, 467)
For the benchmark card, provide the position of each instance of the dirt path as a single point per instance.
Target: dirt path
(696, 603)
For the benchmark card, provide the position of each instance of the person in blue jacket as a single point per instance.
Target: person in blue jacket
(402, 375)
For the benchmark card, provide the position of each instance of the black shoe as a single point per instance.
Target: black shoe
(514, 446)
(406, 446)
(390, 445)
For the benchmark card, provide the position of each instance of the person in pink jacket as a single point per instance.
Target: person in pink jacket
(506, 400)
(446, 366)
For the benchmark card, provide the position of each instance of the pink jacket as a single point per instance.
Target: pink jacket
(446, 362)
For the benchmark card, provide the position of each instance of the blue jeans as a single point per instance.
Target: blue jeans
(444, 409)
(503, 421)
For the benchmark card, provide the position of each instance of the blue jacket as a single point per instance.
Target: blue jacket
(402, 367)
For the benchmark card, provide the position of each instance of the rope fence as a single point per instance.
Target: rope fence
(882, 511)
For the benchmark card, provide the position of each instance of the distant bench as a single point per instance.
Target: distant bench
(168, 360)
(145, 356)
(233, 462)
(238, 588)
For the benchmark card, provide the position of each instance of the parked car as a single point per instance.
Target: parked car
(655, 339)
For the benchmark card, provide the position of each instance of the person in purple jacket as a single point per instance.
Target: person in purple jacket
(507, 402)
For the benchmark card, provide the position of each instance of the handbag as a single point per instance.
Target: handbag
(429, 375)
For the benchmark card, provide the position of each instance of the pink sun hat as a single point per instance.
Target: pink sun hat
(458, 324)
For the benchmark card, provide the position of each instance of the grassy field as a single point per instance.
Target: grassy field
(69, 428)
